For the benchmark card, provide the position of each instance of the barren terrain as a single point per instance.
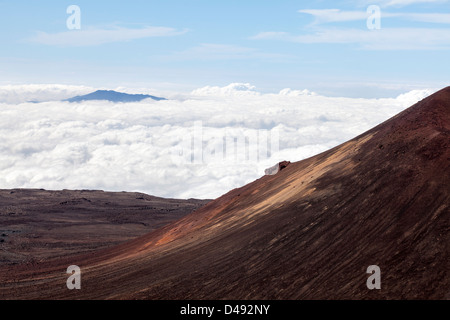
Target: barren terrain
(37, 225)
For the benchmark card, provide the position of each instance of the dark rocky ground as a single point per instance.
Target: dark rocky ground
(37, 224)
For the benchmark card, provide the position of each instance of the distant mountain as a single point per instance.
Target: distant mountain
(113, 96)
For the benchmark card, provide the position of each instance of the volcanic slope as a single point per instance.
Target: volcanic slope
(308, 232)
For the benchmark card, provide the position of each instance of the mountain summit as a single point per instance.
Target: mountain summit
(113, 96)
(310, 231)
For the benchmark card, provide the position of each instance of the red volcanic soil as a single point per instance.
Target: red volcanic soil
(308, 232)
(36, 225)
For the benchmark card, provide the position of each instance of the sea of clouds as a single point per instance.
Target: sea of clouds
(171, 148)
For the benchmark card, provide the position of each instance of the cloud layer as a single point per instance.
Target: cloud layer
(147, 147)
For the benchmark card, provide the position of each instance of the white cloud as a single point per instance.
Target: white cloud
(273, 35)
(411, 97)
(295, 93)
(334, 15)
(233, 89)
(37, 92)
(322, 16)
(135, 146)
(214, 51)
(383, 39)
(442, 18)
(97, 36)
(402, 3)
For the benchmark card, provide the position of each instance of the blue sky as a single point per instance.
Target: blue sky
(323, 46)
